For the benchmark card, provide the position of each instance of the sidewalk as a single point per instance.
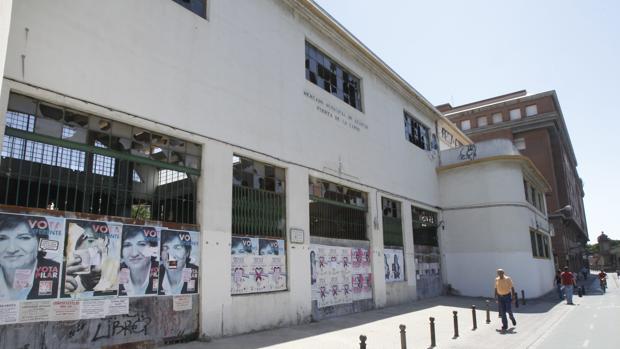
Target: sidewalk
(381, 326)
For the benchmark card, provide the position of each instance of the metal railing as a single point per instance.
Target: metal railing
(258, 212)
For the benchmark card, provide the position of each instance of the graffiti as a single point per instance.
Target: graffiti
(79, 326)
(128, 325)
(468, 152)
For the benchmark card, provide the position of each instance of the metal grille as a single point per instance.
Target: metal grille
(40, 171)
(335, 220)
(392, 231)
(258, 212)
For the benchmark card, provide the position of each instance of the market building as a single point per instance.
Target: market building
(202, 169)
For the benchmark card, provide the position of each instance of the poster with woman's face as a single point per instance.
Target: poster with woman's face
(92, 258)
(31, 251)
(139, 270)
(179, 262)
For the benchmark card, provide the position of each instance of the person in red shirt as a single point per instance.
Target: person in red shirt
(568, 282)
(602, 278)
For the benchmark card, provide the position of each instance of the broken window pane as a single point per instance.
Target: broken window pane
(50, 112)
(76, 119)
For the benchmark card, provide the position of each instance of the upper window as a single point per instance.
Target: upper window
(417, 133)
(465, 125)
(531, 110)
(497, 118)
(332, 77)
(199, 7)
(515, 114)
(482, 121)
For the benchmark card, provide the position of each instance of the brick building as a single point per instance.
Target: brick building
(536, 126)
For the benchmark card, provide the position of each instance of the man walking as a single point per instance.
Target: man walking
(504, 294)
(568, 282)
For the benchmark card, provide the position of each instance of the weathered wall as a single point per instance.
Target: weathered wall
(151, 320)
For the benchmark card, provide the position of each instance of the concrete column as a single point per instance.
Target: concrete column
(375, 235)
(410, 265)
(4, 103)
(215, 218)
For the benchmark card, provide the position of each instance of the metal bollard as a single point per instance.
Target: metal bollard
(473, 314)
(523, 296)
(488, 312)
(456, 324)
(516, 299)
(362, 342)
(403, 337)
(433, 343)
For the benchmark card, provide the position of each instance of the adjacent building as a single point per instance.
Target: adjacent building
(535, 124)
(276, 171)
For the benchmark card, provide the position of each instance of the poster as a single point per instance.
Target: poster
(180, 256)
(92, 252)
(182, 302)
(31, 252)
(258, 265)
(35, 311)
(331, 270)
(139, 269)
(9, 312)
(65, 310)
(117, 306)
(93, 309)
(394, 265)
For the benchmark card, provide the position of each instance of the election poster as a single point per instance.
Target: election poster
(92, 259)
(257, 265)
(393, 262)
(180, 259)
(139, 269)
(331, 275)
(31, 253)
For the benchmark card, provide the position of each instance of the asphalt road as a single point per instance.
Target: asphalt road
(594, 321)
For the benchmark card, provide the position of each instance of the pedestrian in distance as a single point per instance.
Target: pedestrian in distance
(602, 278)
(568, 283)
(557, 282)
(504, 296)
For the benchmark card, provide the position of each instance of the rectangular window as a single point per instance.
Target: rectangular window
(392, 223)
(482, 121)
(259, 201)
(531, 110)
(465, 125)
(540, 244)
(424, 227)
(527, 191)
(519, 143)
(199, 7)
(515, 114)
(416, 132)
(541, 248)
(533, 241)
(337, 211)
(497, 118)
(332, 77)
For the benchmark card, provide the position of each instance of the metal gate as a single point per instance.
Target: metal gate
(427, 254)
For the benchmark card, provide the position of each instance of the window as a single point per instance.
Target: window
(531, 110)
(465, 125)
(497, 118)
(424, 227)
(337, 211)
(84, 163)
(519, 143)
(199, 7)
(515, 114)
(540, 244)
(259, 200)
(392, 224)
(416, 132)
(332, 77)
(482, 121)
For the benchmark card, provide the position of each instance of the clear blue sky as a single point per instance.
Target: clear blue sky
(463, 51)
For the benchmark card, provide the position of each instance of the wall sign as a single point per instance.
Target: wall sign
(297, 236)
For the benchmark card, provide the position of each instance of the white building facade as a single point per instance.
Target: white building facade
(204, 118)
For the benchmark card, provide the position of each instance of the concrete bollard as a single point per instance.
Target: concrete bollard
(523, 296)
(362, 342)
(433, 342)
(403, 337)
(456, 324)
(488, 312)
(516, 299)
(473, 315)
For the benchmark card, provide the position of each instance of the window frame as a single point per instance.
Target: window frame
(514, 116)
(465, 122)
(424, 136)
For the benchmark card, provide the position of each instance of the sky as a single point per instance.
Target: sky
(462, 51)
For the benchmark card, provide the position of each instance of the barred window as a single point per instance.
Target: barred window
(417, 133)
(332, 77)
(392, 223)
